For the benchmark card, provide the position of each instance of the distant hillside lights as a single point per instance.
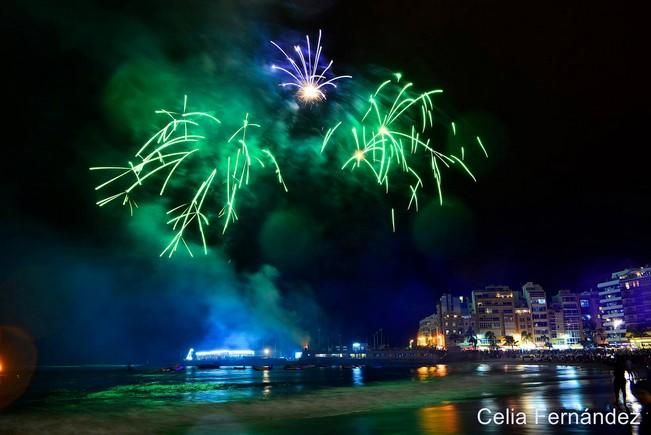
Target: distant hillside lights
(617, 315)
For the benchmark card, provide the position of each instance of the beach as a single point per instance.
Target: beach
(438, 399)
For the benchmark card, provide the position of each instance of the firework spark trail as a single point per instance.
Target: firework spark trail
(170, 147)
(189, 213)
(392, 132)
(241, 168)
(307, 76)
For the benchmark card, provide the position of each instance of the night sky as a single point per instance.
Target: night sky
(559, 93)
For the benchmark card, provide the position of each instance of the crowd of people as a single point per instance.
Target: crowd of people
(640, 359)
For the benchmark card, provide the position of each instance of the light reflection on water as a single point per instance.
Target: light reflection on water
(441, 419)
(358, 377)
(559, 388)
(437, 371)
(543, 388)
(483, 368)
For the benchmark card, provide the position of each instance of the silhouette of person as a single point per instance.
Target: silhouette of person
(622, 365)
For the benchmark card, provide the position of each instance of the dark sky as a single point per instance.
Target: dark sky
(558, 90)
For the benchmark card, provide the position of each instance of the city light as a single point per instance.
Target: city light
(217, 353)
(266, 351)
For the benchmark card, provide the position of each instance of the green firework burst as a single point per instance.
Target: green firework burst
(164, 155)
(392, 137)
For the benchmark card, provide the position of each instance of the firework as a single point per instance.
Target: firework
(308, 77)
(391, 138)
(176, 144)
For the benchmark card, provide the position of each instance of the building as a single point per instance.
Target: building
(447, 325)
(536, 299)
(429, 332)
(469, 323)
(449, 304)
(555, 322)
(450, 311)
(524, 325)
(635, 286)
(494, 309)
(612, 310)
(625, 304)
(590, 314)
(567, 321)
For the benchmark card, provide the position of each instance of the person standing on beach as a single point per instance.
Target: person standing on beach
(622, 365)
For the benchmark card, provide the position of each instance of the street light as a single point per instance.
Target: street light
(266, 351)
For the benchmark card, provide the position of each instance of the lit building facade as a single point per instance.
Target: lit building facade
(555, 317)
(590, 314)
(625, 303)
(469, 323)
(428, 330)
(635, 285)
(494, 309)
(450, 310)
(450, 304)
(536, 299)
(524, 323)
(612, 310)
(567, 325)
(447, 325)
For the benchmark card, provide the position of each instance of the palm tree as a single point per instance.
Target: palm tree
(525, 337)
(600, 336)
(546, 340)
(471, 337)
(492, 340)
(510, 341)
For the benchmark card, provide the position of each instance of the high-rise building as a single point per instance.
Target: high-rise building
(555, 317)
(635, 286)
(448, 324)
(449, 304)
(612, 310)
(590, 314)
(536, 299)
(450, 310)
(469, 323)
(567, 321)
(494, 308)
(524, 324)
(625, 303)
(591, 317)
